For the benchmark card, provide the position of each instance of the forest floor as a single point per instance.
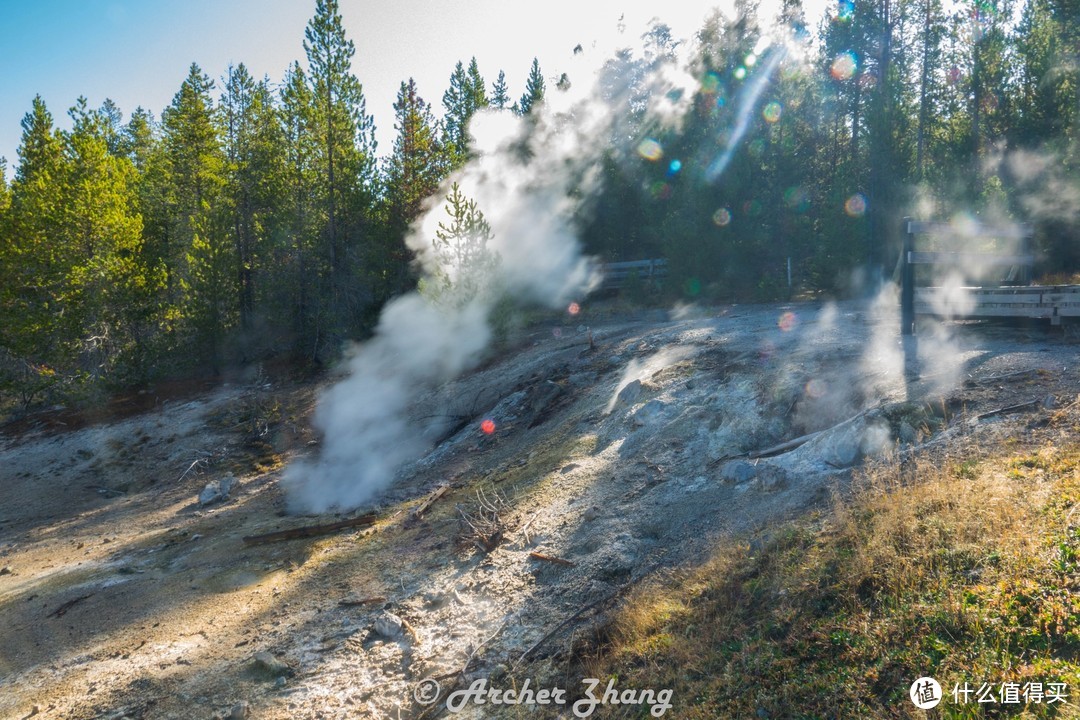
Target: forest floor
(621, 452)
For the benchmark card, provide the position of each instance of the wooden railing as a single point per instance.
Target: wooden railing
(618, 273)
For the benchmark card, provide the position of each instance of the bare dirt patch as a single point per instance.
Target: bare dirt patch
(122, 596)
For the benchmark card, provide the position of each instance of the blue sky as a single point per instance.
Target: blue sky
(138, 52)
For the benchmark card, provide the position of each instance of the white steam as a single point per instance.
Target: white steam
(529, 179)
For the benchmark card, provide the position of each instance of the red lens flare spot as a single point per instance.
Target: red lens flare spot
(488, 426)
(574, 308)
(787, 321)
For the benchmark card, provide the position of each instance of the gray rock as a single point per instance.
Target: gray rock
(388, 625)
(908, 434)
(738, 472)
(217, 490)
(1049, 402)
(265, 664)
(629, 393)
(240, 711)
(649, 413)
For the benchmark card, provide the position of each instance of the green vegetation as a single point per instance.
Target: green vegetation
(967, 574)
(255, 220)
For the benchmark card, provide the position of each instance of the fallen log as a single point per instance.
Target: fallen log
(307, 531)
(783, 447)
(1010, 409)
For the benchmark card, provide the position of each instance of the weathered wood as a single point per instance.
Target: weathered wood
(60, 611)
(784, 446)
(424, 506)
(921, 227)
(307, 531)
(362, 601)
(551, 559)
(927, 257)
(1008, 410)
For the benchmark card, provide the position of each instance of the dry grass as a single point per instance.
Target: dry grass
(966, 571)
(1060, 278)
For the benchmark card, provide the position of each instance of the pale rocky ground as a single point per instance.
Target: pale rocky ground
(122, 596)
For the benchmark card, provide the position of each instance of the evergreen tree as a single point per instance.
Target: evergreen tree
(254, 147)
(464, 265)
(108, 288)
(33, 262)
(462, 99)
(300, 290)
(534, 90)
(499, 94)
(345, 137)
(415, 169)
(197, 255)
(5, 191)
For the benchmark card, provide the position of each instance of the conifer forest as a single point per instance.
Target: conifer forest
(255, 218)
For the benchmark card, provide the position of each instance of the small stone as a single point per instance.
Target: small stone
(1049, 402)
(6, 570)
(629, 393)
(280, 682)
(908, 435)
(388, 625)
(562, 471)
(590, 514)
(266, 664)
(240, 711)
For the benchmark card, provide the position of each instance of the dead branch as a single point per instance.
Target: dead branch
(362, 601)
(60, 611)
(783, 447)
(1010, 409)
(198, 461)
(411, 630)
(525, 527)
(973, 382)
(313, 530)
(551, 559)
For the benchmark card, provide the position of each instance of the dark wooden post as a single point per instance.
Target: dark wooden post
(907, 282)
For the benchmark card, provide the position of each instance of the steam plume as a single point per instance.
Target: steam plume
(529, 179)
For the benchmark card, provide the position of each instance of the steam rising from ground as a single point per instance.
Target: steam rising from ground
(529, 179)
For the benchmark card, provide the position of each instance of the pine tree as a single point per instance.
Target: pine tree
(461, 100)
(534, 90)
(499, 94)
(108, 289)
(32, 261)
(415, 168)
(464, 265)
(5, 190)
(300, 291)
(254, 147)
(198, 257)
(346, 160)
